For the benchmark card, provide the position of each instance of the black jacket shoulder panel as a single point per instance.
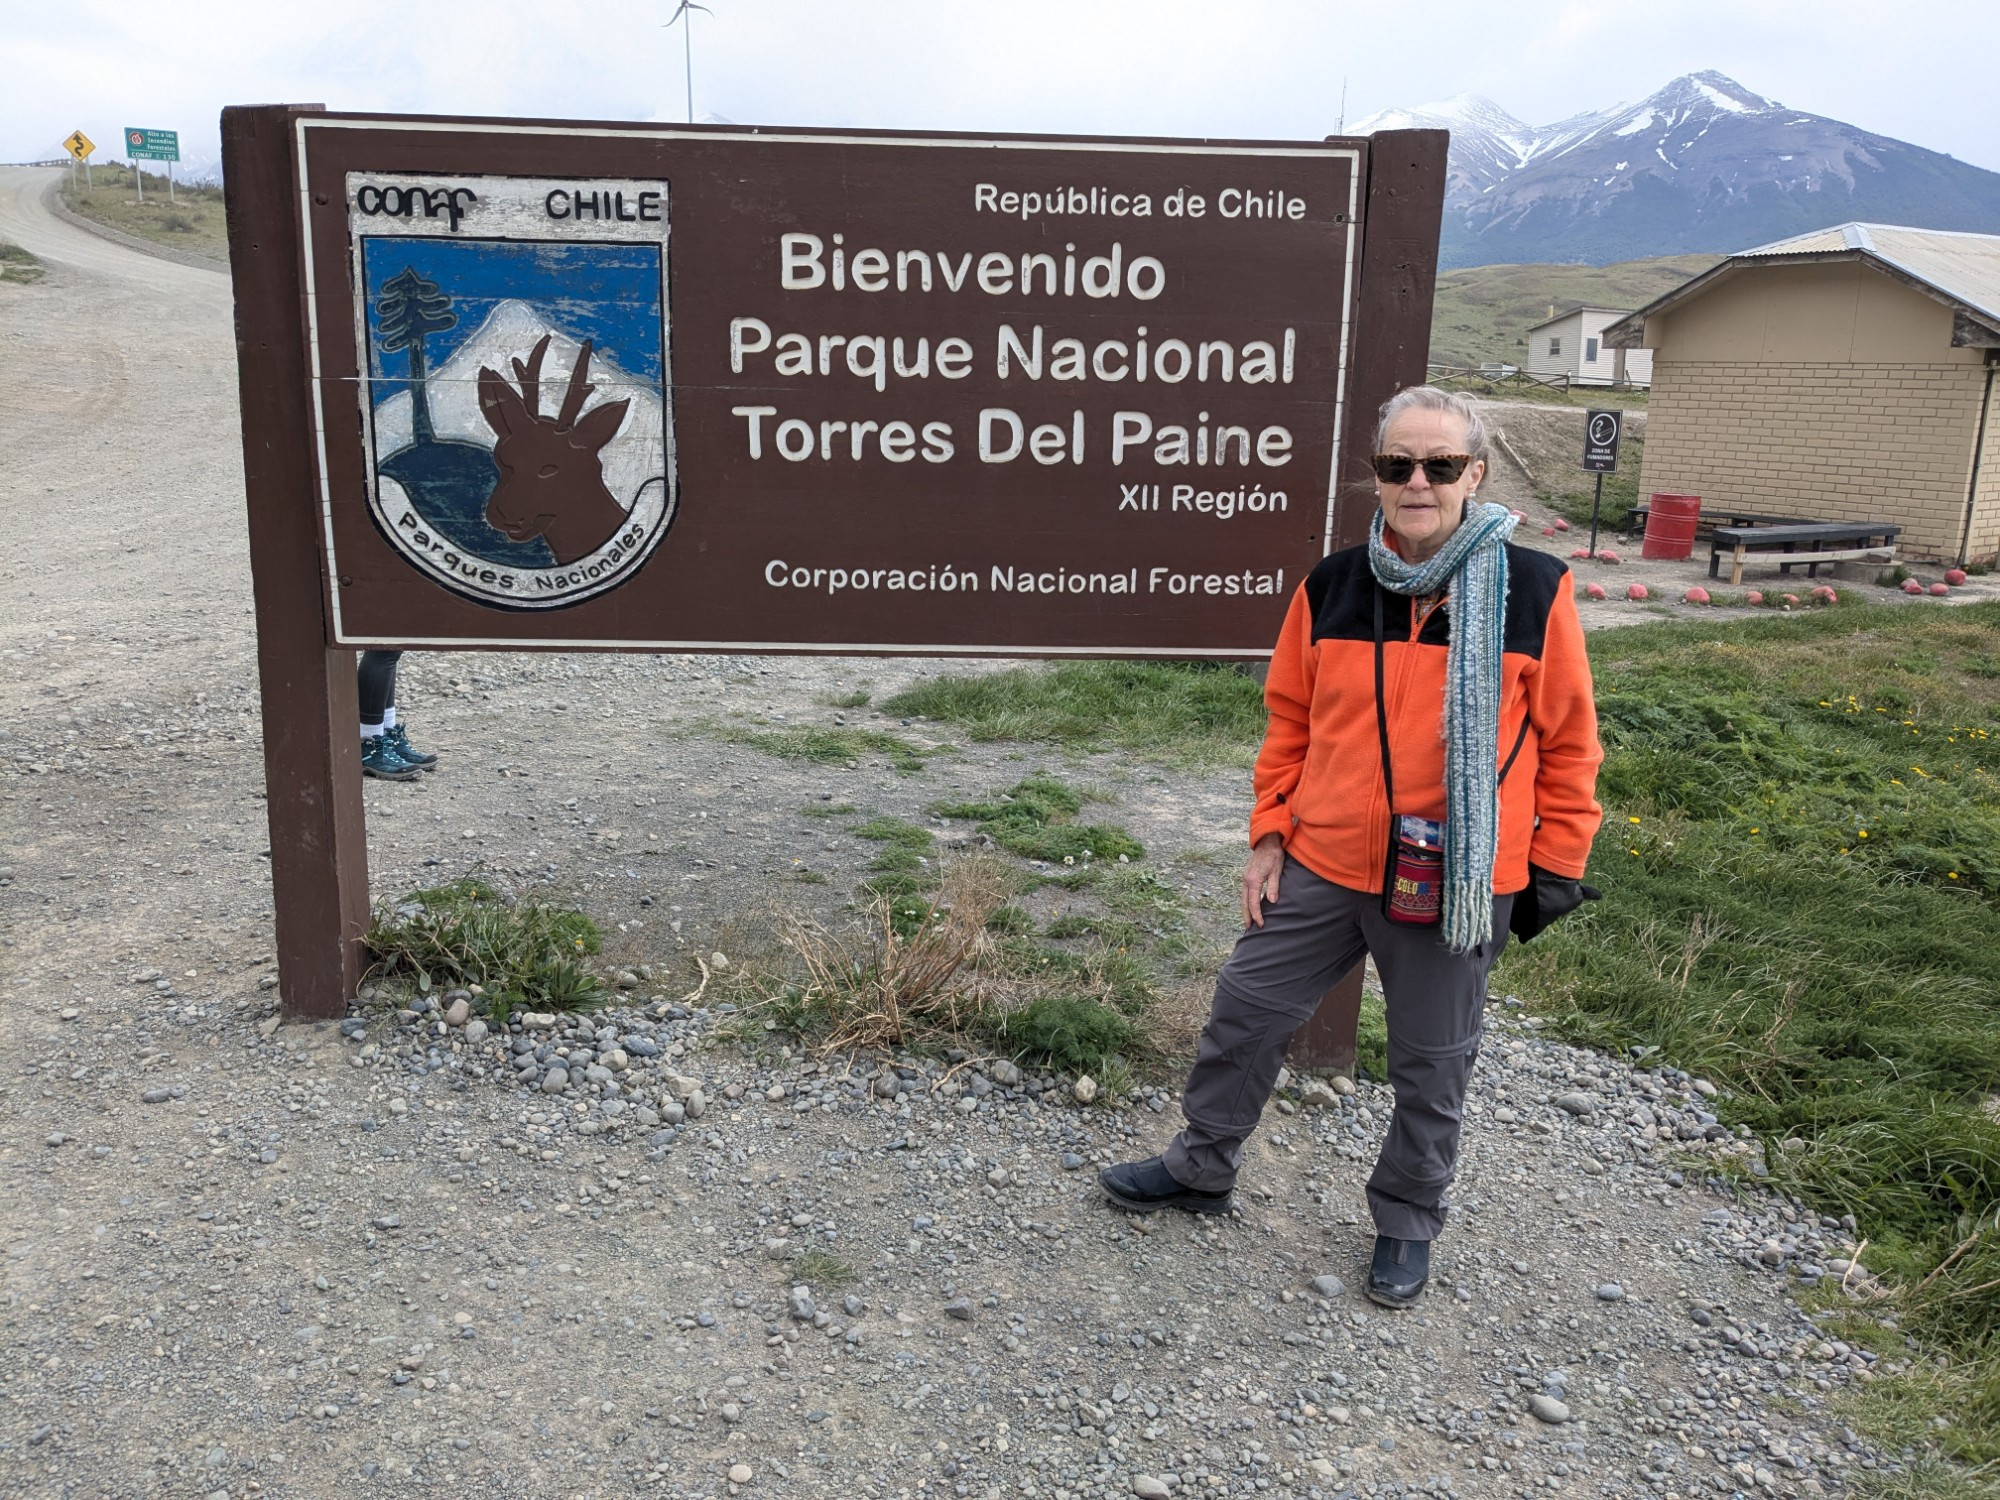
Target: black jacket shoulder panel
(1340, 592)
(1533, 580)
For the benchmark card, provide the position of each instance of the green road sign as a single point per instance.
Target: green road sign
(153, 145)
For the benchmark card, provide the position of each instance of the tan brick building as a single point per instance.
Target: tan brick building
(1845, 375)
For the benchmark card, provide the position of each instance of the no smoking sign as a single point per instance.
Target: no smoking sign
(1601, 432)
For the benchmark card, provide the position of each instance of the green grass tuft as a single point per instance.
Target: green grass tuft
(895, 831)
(1010, 921)
(1033, 819)
(1070, 1032)
(835, 747)
(1183, 714)
(525, 955)
(821, 1268)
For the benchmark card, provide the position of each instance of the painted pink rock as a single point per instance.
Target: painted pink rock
(1607, 555)
(1593, 591)
(1911, 586)
(1695, 596)
(1548, 531)
(1636, 591)
(1791, 601)
(1755, 596)
(1580, 554)
(1955, 577)
(1561, 525)
(1939, 590)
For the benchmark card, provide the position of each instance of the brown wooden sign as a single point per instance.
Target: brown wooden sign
(535, 384)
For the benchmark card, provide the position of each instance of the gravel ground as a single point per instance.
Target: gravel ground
(394, 1256)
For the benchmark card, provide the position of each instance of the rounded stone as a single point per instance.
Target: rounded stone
(1548, 1409)
(741, 1473)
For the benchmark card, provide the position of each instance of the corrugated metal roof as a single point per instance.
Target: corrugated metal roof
(1959, 269)
(1964, 267)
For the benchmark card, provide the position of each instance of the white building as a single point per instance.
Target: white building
(1572, 343)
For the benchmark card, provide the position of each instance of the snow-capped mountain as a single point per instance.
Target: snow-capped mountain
(1704, 164)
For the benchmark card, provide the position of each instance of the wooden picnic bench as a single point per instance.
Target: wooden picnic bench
(1810, 542)
(1635, 520)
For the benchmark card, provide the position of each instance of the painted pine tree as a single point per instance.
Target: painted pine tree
(410, 309)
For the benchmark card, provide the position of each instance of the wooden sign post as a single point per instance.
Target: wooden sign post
(534, 385)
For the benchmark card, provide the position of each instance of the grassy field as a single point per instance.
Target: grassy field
(1485, 312)
(192, 221)
(19, 266)
(1801, 865)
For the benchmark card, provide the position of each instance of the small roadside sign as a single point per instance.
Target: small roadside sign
(1601, 431)
(79, 145)
(142, 144)
(153, 145)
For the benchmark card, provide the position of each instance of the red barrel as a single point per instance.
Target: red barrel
(1670, 526)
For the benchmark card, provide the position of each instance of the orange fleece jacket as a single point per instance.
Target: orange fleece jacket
(1319, 775)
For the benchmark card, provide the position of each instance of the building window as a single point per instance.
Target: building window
(1555, 346)
(1590, 351)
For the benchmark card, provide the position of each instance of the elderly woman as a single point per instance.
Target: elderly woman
(1428, 775)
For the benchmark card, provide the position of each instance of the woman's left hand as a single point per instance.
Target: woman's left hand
(1260, 878)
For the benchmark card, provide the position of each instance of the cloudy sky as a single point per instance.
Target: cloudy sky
(1262, 68)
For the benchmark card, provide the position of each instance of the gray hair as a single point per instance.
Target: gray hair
(1430, 398)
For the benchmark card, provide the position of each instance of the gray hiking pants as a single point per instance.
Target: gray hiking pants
(1435, 1000)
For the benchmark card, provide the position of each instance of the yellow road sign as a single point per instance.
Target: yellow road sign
(79, 145)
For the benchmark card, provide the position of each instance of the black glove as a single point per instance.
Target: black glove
(1547, 897)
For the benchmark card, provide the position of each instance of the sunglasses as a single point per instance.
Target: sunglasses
(1396, 468)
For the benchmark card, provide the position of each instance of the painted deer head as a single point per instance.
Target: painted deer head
(551, 474)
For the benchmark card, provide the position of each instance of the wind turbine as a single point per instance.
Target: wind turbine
(687, 37)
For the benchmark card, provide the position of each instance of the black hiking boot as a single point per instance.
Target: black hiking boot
(1144, 1187)
(1398, 1273)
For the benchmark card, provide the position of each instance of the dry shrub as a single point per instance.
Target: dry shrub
(874, 986)
(1174, 1025)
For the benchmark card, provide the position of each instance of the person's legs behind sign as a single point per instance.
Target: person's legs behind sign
(386, 751)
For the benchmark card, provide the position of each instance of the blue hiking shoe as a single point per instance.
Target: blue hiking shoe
(380, 760)
(399, 741)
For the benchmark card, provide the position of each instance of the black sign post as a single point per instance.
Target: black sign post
(1601, 432)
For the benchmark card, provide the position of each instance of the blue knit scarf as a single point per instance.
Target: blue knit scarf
(1472, 564)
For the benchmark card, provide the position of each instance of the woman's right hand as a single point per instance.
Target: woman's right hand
(1260, 878)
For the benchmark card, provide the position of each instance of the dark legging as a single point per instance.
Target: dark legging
(377, 684)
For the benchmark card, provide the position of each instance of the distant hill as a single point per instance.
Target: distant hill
(1484, 312)
(1703, 164)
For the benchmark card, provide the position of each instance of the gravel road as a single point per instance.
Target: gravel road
(390, 1257)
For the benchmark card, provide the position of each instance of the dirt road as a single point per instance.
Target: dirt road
(243, 1260)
